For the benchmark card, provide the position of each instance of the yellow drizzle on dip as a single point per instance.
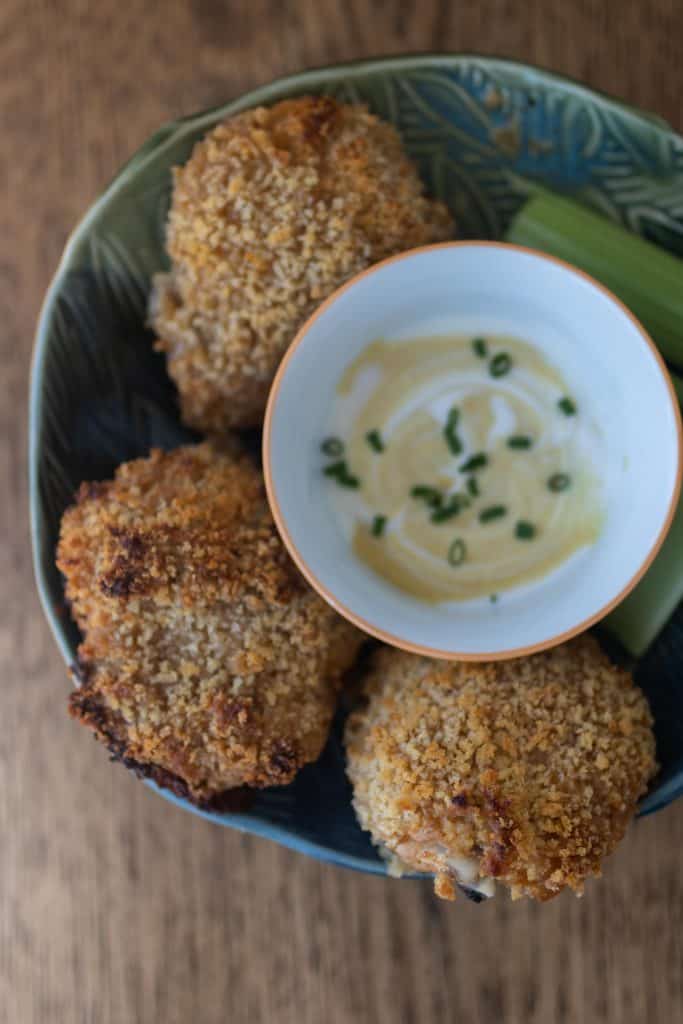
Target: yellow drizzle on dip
(534, 502)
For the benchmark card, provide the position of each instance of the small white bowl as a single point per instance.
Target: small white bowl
(615, 372)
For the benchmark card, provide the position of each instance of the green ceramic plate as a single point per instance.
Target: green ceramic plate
(485, 134)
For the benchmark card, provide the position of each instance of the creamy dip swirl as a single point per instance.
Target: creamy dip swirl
(403, 393)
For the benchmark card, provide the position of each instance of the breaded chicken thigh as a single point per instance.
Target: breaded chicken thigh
(524, 772)
(207, 662)
(275, 209)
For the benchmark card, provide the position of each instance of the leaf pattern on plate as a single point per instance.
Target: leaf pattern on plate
(485, 134)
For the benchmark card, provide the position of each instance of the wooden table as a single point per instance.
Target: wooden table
(115, 907)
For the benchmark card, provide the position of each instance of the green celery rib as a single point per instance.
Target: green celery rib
(646, 278)
(647, 609)
(650, 282)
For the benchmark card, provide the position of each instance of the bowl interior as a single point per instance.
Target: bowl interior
(484, 133)
(613, 372)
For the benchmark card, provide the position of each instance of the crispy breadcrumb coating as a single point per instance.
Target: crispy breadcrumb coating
(207, 662)
(530, 769)
(275, 209)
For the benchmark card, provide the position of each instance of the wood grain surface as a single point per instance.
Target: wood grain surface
(116, 908)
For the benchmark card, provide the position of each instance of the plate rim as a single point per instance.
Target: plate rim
(166, 135)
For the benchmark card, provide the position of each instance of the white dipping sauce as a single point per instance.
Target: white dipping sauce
(412, 415)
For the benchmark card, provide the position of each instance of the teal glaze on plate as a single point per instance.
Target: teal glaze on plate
(485, 133)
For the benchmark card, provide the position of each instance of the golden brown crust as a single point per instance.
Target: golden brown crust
(530, 768)
(275, 209)
(207, 662)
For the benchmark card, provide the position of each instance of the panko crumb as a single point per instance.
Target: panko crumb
(207, 663)
(526, 771)
(275, 209)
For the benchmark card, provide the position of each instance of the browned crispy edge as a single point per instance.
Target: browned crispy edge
(88, 710)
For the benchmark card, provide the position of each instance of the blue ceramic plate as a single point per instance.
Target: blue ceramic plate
(485, 133)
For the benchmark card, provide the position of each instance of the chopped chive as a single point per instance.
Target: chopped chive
(492, 512)
(332, 446)
(500, 365)
(567, 406)
(378, 524)
(493, 598)
(519, 441)
(430, 495)
(480, 348)
(559, 482)
(472, 486)
(339, 471)
(454, 443)
(442, 515)
(450, 432)
(452, 508)
(474, 463)
(457, 552)
(374, 439)
(525, 530)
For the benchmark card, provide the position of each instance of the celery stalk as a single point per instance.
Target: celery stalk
(647, 279)
(650, 282)
(647, 609)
